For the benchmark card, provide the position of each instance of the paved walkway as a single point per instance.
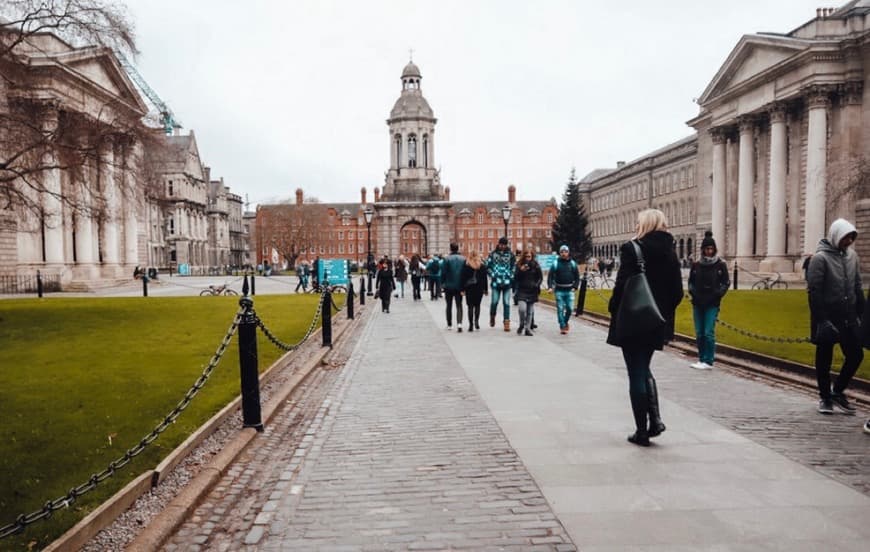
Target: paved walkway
(432, 440)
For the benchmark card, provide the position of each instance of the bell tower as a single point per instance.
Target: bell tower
(412, 175)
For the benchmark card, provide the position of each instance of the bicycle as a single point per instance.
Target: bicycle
(218, 290)
(771, 282)
(595, 280)
(318, 289)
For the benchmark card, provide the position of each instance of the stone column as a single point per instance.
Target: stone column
(745, 193)
(52, 222)
(776, 260)
(131, 224)
(718, 198)
(816, 178)
(111, 233)
(86, 243)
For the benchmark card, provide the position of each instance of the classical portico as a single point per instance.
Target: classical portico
(412, 190)
(781, 130)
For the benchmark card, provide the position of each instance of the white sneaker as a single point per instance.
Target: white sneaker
(706, 366)
(701, 366)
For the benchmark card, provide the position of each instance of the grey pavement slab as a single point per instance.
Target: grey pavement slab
(562, 402)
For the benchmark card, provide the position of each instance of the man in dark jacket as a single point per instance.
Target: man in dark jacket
(836, 305)
(452, 284)
(708, 283)
(562, 280)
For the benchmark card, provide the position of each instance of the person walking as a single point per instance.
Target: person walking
(416, 269)
(385, 285)
(500, 267)
(563, 279)
(474, 281)
(433, 269)
(528, 285)
(302, 274)
(401, 275)
(708, 283)
(836, 306)
(665, 281)
(452, 284)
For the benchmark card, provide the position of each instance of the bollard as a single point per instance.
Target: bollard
(144, 285)
(326, 317)
(253, 286)
(39, 283)
(735, 274)
(362, 290)
(350, 300)
(250, 376)
(581, 296)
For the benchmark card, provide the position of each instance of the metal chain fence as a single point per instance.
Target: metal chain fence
(51, 506)
(284, 346)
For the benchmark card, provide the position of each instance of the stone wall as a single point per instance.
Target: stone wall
(8, 244)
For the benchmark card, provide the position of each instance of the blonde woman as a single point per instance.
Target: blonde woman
(663, 274)
(474, 283)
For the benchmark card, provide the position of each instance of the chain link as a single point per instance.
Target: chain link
(761, 337)
(284, 346)
(51, 506)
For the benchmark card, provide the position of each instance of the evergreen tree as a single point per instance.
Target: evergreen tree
(571, 225)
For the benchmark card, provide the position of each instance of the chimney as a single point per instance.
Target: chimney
(206, 173)
(362, 195)
(818, 12)
(377, 194)
(298, 196)
(620, 164)
(447, 192)
(512, 194)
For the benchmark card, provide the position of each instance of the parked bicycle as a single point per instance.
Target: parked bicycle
(218, 290)
(771, 282)
(595, 280)
(337, 288)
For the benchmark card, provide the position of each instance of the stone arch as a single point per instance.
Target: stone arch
(413, 239)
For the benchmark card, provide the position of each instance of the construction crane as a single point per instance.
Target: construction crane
(167, 117)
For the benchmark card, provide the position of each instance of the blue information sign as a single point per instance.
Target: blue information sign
(334, 271)
(184, 269)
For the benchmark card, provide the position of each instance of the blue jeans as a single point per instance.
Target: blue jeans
(705, 332)
(564, 304)
(505, 294)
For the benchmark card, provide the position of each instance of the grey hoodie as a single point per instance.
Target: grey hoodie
(834, 280)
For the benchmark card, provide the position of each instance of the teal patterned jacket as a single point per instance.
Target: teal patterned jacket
(500, 268)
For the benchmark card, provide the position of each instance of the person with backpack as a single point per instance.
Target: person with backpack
(416, 269)
(708, 283)
(500, 269)
(474, 278)
(563, 279)
(433, 270)
(452, 284)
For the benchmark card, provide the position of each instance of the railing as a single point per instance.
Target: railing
(26, 283)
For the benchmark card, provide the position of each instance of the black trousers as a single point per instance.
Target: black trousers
(853, 353)
(415, 284)
(473, 299)
(453, 296)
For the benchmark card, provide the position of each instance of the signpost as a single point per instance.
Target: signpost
(334, 271)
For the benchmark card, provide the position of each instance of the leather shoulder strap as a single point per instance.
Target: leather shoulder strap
(639, 254)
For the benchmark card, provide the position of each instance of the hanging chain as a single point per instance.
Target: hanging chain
(51, 506)
(761, 337)
(284, 346)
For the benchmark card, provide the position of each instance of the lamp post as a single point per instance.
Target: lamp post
(369, 214)
(506, 215)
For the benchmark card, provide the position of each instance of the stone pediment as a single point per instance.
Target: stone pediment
(753, 55)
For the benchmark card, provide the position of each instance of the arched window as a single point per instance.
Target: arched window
(425, 151)
(398, 141)
(412, 150)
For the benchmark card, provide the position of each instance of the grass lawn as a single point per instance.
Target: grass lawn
(83, 379)
(774, 313)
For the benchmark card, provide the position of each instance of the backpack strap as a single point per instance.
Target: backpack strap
(641, 264)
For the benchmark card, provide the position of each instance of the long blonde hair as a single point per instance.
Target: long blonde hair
(650, 220)
(474, 260)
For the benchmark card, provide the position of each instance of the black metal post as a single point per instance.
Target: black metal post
(350, 295)
(369, 258)
(144, 285)
(505, 229)
(251, 416)
(326, 317)
(735, 274)
(362, 290)
(253, 285)
(581, 296)
(39, 283)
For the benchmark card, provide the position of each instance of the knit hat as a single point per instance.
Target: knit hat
(502, 241)
(708, 241)
(563, 248)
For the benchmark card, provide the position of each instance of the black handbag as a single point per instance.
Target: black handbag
(638, 313)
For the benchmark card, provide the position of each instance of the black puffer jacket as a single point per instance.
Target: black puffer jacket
(708, 282)
(528, 281)
(665, 281)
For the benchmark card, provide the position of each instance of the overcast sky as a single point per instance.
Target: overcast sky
(290, 94)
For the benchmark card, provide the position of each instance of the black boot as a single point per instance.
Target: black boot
(656, 426)
(639, 407)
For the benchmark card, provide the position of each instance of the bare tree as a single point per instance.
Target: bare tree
(848, 180)
(38, 136)
(292, 229)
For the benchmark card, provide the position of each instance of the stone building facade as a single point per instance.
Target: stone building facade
(665, 179)
(784, 139)
(413, 214)
(132, 197)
